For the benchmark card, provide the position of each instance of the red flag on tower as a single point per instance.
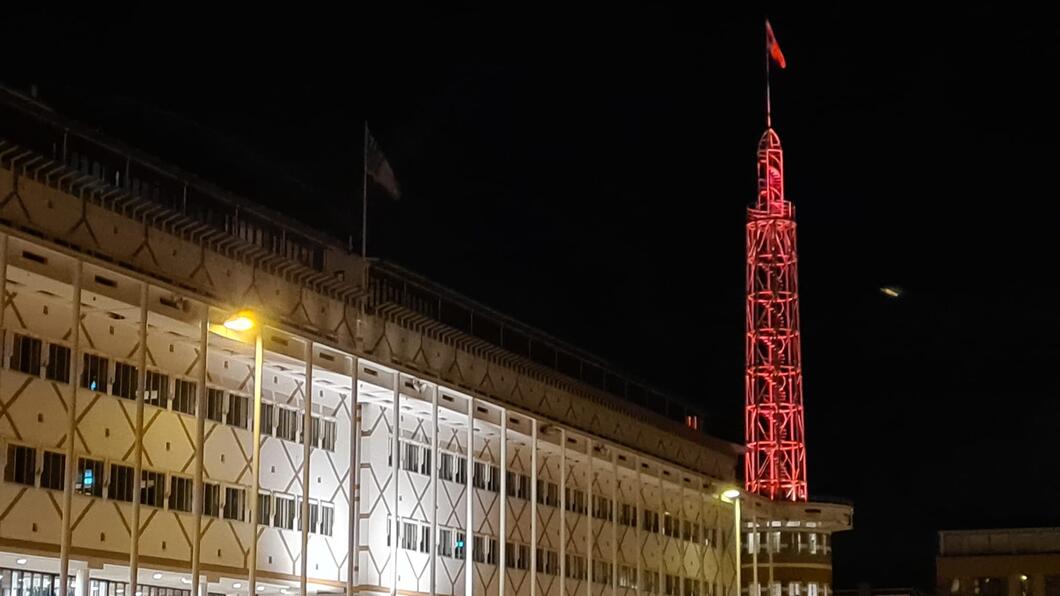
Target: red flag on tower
(773, 47)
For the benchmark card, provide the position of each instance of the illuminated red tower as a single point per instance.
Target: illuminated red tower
(775, 464)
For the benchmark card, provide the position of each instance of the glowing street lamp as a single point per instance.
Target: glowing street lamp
(243, 320)
(732, 494)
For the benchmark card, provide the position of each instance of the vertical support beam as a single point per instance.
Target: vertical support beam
(434, 490)
(663, 511)
(255, 464)
(736, 544)
(502, 563)
(354, 514)
(614, 520)
(638, 518)
(71, 423)
(533, 507)
(307, 454)
(138, 452)
(681, 509)
(756, 546)
(395, 468)
(3, 297)
(589, 519)
(200, 448)
(469, 533)
(562, 512)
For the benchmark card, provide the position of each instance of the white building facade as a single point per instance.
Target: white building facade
(129, 416)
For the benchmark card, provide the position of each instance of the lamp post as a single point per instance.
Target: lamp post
(243, 322)
(733, 495)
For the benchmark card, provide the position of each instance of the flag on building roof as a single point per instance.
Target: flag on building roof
(378, 167)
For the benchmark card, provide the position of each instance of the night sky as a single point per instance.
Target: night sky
(586, 170)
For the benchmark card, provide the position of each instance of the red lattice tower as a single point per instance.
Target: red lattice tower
(775, 463)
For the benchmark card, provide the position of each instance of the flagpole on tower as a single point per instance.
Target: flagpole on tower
(769, 99)
(364, 208)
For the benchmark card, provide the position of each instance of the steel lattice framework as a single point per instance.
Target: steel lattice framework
(775, 464)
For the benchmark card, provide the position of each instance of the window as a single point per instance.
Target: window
(517, 556)
(671, 526)
(793, 589)
(314, 431)
(184, 396)
(268, 415)
(627, 515)
(485, 476)
(651, 521)
(125, 379)
(575, 501)
(287, 424)
(94, 373)
(691, 531)
(627, 576)
(651, 581)
(753, 542)
(215, 404)
(25, 356)
(327, 439)
(460, 472)
(211, 499)
(121, 484)
(284, 517)
(547, 561)
(314, 514)
(518, 486)
(156, 389)
(671, 585)
(602, 572)
(811, 588)
(21, 465)
(773, 545)
(58, 367)
(813, 543)
(238, 405)
(692, 587)
(152, 488)
(180, 493)
(576, 567)
(459, 545)
(53, 471)
(264, 509)
(602, 508)
(89, 481)
(409, 536)
(548, 493)
(425, 539)
(235, 503)
(445, 542)
(327, 519)
(410, 457)
(445, 466)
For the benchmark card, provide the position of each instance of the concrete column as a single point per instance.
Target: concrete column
(354, 514)
(639, 521)
(562, 512)
(255, 485)
(434, 489)
(395, 469)
(502, 563)
(614, 520)
(200, 440)
(589, 520)
(71, 423)
(307, 454)
(204, 589)
(469, 532)
(533, 507)
(138, 452)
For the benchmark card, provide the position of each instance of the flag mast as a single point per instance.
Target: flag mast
(769, 101)
(364, 208)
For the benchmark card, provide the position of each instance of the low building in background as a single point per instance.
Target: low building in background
(1004, 562)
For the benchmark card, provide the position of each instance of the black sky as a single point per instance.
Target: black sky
(586, 169)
